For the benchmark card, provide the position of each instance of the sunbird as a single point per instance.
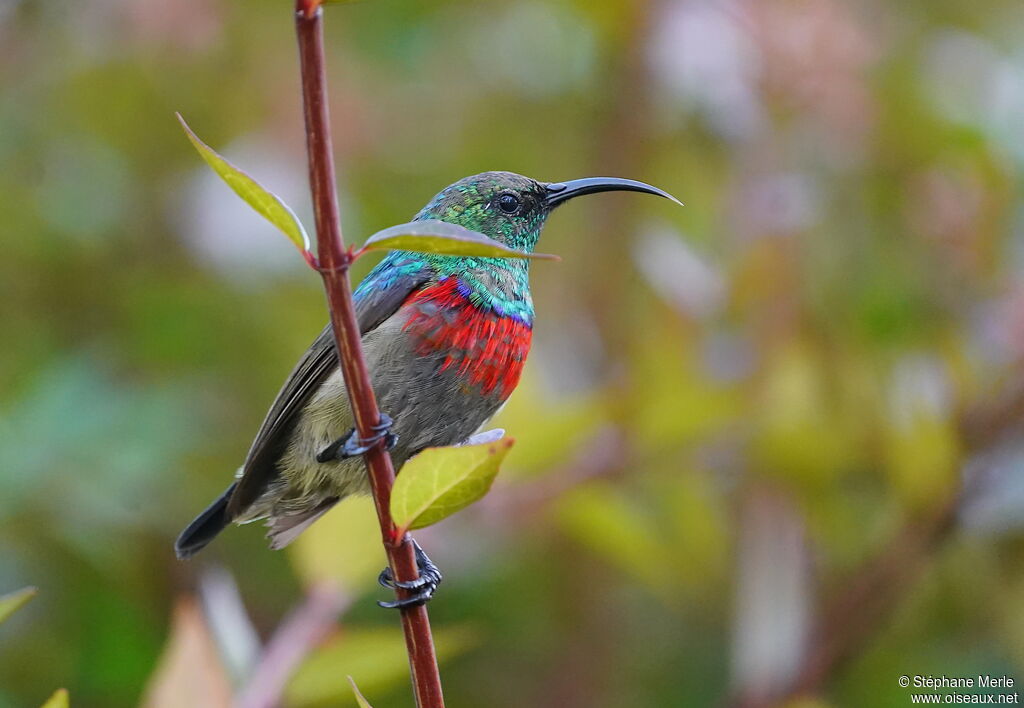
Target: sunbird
(445, 339)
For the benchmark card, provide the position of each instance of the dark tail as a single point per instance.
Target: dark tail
(205, 526)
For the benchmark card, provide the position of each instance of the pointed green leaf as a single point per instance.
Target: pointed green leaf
(12, 602)
(360, 698)
(442, 480)
(266, 203)
(58, 700)
(433, 236)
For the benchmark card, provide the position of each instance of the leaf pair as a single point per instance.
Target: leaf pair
(428, 236)
(439, 481)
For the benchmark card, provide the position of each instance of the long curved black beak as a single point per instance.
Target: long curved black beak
(558, 192)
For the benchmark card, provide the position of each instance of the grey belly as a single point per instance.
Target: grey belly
(430, 407)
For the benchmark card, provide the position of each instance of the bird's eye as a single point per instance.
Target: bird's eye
(508, 203)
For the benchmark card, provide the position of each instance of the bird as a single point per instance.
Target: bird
(445, 339)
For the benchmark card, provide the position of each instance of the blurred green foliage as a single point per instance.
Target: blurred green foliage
(729, 407)
(377, 656)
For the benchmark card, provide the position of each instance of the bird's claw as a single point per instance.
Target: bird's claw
(351, 445)
(421, 589)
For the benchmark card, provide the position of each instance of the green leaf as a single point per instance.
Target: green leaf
(12, 602)
(58, 700)
(360, 698)
(266, 203)
(433, 236)
(442, 480)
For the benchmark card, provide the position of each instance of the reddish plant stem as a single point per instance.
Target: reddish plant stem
(334, 263)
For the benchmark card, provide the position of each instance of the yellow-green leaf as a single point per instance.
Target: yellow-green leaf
(433, 236)
(266, 203)
(360, 698)
(442, 480)
(58, 700)
(12, 602)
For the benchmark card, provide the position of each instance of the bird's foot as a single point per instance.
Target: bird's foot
(351, 445)
(421, 589)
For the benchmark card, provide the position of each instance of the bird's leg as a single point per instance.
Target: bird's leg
(351, 445)
(422, 588)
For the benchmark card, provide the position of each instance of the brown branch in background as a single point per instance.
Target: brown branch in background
(1002, 414)
(300, 632)
(873, 593)
(620, 146)
(875, 589)
(334, 263)
(869, 597)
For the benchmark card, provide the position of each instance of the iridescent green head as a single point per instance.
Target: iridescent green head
(511, 208)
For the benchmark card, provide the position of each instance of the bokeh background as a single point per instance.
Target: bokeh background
(768, 448)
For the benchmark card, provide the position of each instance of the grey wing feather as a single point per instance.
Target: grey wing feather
(316, 365)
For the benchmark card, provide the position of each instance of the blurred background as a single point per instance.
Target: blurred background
(769, 445)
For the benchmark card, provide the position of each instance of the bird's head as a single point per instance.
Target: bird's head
(511, 208)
